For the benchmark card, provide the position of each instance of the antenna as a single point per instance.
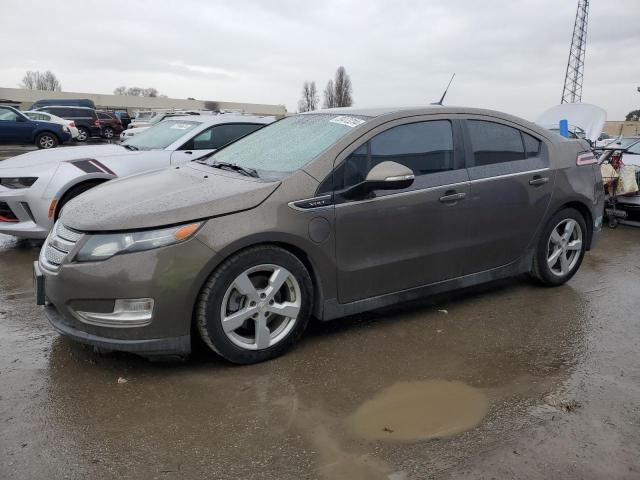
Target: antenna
(572, 91)
(445, 92)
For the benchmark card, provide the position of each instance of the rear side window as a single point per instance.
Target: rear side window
(531, 145)
(494, 143)
(424, 147)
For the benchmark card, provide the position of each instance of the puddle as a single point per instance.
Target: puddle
(419, 411)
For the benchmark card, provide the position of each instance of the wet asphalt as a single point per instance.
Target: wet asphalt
(510, 380)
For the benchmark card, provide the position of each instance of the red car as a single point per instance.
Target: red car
(110, 123)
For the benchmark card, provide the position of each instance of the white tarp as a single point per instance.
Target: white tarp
(589, 118)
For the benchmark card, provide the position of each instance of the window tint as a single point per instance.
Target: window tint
(424, 147)
(8, 115)
(494, 143)
(531, 145)
(223, 134)
(104, 116)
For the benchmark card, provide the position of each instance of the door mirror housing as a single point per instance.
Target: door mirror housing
(384, 176)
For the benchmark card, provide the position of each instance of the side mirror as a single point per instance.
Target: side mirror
(384, 176)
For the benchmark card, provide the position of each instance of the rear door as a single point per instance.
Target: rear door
(400, 239)
(511, 187)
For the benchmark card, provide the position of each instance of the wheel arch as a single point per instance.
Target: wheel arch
(46, 130)
(289, 246)
(68, 190)
(585, 211)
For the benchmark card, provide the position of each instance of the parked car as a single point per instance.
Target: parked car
(138, 126)
(42, 184)
(603, 140)
(327, 213)
(110, 124)
(47, 117)
(627, 151)
(86, 119)
(124, 117)
(18, 128)
(68, 102)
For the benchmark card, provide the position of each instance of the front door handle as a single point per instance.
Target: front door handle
(538, 180)
(451, 196)
(189, 152)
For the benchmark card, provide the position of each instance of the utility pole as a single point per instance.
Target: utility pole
(572, 91)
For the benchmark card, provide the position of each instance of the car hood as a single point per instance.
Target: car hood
(587, 117)
(42, 158)
(164, 197)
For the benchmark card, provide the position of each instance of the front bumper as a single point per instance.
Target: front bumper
(30, 210)
(146, 347)
(172, 276)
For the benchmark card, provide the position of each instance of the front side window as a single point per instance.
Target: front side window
(218, 136)
(8, 115)
(494, 143)
(289, 144)
(161, 135)
(424, 147)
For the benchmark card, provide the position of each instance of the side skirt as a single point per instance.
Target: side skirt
(332, 309)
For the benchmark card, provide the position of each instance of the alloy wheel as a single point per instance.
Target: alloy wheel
(564, 247)
(46, 141)
(261, 307)
(108, 133)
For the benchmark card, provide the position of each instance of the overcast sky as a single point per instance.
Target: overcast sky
(508, 55)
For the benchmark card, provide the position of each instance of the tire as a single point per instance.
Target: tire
(73, 193)
(267, 290)
(83, 134)
(108, 133)
(554, 244)
(47, 140)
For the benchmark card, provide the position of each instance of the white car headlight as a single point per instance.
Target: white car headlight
(104, 246)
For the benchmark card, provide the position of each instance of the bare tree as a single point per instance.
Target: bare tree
(138, 92)
(329, 96)
(342, 88)
(309, 100)
(35, 80)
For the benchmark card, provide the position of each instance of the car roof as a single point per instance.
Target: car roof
(64, 106)
(223, 118)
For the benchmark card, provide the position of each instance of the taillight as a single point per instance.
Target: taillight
(97, 123)
(586, 158)
(72, 123)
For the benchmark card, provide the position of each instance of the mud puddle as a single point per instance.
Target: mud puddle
(420, 410)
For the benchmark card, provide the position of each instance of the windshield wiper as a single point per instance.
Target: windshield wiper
(130, 147)
(249, 172)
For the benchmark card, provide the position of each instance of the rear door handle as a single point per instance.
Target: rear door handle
(538, 180)
(452, 197)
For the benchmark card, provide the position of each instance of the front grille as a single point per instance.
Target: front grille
(58, 245)
(6, 214)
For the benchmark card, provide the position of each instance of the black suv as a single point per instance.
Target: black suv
(86, 119)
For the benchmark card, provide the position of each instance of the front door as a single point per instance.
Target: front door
(14, 127)
(511, 187)
(397, 240)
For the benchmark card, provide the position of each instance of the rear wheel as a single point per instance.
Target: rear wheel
(256, 305)
(83, 134)
(561, 248)
(47, 140)
(108, 132)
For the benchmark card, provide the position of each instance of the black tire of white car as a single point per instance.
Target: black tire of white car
(46, 140)
(83, 134)
(73, 192)
(208, 313)
(542, 271)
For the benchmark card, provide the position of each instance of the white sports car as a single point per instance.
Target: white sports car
(35, 186)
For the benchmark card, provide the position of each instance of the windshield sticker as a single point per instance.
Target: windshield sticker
(181, 126)
(348, 121)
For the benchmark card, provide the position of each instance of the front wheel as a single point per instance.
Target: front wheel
(561, 248)
(47, 140)
(256, 305)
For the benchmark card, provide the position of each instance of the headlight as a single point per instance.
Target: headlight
(18, 182)
(101, 247)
